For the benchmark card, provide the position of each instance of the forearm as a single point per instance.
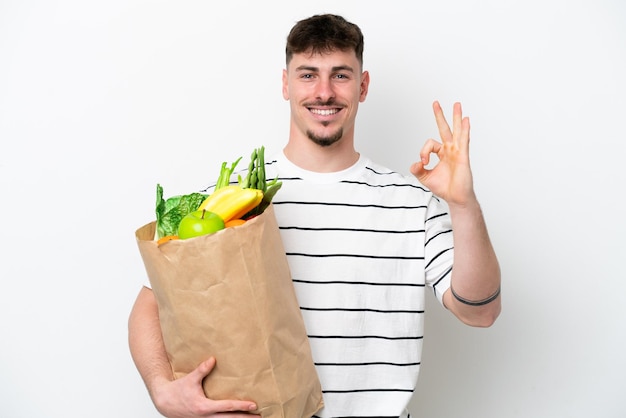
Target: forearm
(476, 272)
(182, 397)
(146, 342)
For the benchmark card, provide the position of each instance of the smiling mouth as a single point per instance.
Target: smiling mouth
(324, 112)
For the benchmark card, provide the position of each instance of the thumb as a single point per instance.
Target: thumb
(418, 170)
(204, 369)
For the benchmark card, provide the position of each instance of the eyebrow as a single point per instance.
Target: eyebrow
(334, 69)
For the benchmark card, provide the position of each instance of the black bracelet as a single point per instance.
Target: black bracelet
(476, 302)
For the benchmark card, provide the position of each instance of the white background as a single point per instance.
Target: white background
(99, 101)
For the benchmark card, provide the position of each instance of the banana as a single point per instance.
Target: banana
(250, 199)
(218, 196)
(232, 202)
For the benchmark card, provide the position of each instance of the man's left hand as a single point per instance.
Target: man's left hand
(451, 178)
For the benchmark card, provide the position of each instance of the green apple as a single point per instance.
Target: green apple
(199, 222)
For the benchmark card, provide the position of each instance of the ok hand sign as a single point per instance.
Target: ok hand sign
(451, 178)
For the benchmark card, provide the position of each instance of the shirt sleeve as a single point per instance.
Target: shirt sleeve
(438, 247)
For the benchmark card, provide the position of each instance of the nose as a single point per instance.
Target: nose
(324, 90)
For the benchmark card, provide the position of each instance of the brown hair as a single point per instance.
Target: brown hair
(324, 34)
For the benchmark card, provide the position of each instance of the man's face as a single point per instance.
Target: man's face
(324, 91)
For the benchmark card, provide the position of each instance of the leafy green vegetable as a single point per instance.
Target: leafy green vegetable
(170, 212)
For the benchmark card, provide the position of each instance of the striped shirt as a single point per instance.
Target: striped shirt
(363, 245)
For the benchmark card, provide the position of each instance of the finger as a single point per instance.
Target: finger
(430, 147)
(442, 124)
(457, 118)
(238, 415)
(203, 369)
(418, 169)
(465, 133)
(233, 406)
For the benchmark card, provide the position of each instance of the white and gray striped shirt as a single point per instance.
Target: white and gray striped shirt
(363, 245)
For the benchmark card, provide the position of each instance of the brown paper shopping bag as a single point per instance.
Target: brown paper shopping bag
(230, 295)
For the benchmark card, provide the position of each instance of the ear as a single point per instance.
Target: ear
(285, 85)
(365, 83)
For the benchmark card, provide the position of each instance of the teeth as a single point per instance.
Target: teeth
(324, 112)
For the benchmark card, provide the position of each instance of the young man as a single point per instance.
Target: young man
(364, 243)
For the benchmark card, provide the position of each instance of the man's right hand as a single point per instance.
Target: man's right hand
(184, 397)
(174, 398)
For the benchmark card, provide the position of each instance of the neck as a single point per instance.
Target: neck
(312, 157)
